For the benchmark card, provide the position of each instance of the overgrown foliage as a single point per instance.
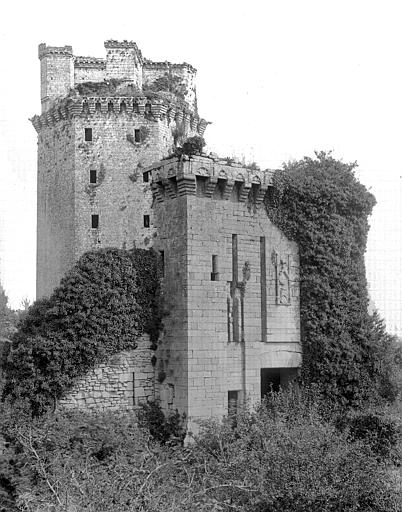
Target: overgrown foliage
(107, 300)
(7, 316)
(320, 204)
(283, 457)
(169, 83)
(163, 428)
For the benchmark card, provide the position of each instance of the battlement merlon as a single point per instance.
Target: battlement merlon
(44, 50)
(208, 177)
(89, 62)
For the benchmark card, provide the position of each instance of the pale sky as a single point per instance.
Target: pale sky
(277, 79)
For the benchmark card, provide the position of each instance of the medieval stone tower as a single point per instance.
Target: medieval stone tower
(103, 121)
(230, 283)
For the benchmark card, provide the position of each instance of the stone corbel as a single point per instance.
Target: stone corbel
(210, 186)
(227, 192)
(49, 118)
(35, 120)
(156, 108)
(91, 105)
(141, 105)
(56, 115)
(179, 116)
(193, 122)
(157, 192)
(259, 198)
(202, 126)
(245, 189)
(74, 108)
(171, 114)
(186, 185)
(63, 112)
(170, 188)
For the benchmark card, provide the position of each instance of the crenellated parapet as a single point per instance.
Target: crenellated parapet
(44, 50)
(208, 177)
(166, 66)
(153, 108)
(89, 62)
(113, 44)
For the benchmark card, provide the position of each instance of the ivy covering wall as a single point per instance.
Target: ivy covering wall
(319, 203)
(107, 300)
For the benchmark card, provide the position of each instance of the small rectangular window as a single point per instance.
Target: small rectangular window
(145, 176)
(146, 221)
(88, 134)
(95, 221)
(92, 176)
(137, 135)
(214, 273)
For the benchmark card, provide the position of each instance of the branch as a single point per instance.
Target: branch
(28, 440)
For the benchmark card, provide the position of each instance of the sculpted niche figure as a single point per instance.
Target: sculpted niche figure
(282, 278)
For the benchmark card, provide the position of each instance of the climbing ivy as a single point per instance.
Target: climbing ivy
(319, 203)
(107, 300)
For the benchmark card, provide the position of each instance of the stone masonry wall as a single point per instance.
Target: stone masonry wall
(125, 381)
(89, 69)
(120, 198)
(252, 257)
(55, 205)
(57, 73)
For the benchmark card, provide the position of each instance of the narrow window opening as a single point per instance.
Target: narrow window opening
(137, 135)
(133, 388)
(92, 176)
(162, 263)
(145, 176)
(215, 272)
(233, 405)
(146, 221)
(95, 221)
(88, 134)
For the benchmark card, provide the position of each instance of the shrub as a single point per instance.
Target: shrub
(107, 300)
(282, 457)
(320, 204)
(162, 428)
(193, 145)
(287, 457)
(382, 434)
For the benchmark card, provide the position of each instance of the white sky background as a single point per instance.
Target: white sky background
(278, 79)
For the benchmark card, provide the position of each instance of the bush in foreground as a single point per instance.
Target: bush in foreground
(283, 457)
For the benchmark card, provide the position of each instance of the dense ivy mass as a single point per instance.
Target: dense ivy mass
(102, 305)
(320, 204)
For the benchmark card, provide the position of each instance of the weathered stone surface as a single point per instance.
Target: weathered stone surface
(123, 382)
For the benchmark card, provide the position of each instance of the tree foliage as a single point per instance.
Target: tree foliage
(102, 305)
(320, 204)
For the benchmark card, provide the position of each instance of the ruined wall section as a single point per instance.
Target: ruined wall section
(55, 205)
(89, 69)
(180, 78)
(56, 73)
(123, 382)
(124, 61)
